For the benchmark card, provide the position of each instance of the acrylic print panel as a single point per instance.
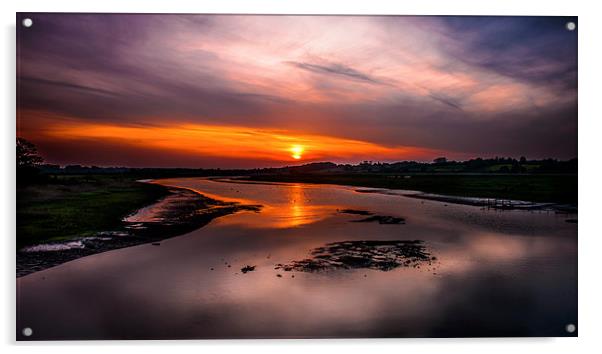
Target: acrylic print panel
(246, 176)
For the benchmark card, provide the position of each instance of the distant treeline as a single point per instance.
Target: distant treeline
(477, 165)
(139, 172)
(498, 165)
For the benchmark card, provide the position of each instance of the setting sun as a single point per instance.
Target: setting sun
(297, 151)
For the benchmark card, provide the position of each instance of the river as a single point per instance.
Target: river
(492, 273)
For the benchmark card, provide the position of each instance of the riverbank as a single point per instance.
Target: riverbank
(73, 206)
(99, 214)
(537, 188)
(488, 203)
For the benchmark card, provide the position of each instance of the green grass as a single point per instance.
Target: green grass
(498, 167)
(75, 206)
(535, 188)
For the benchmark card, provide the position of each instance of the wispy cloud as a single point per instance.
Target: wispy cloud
(336, 69)
(68, 85)
(447, 101)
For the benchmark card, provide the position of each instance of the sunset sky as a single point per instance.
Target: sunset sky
(258, 91)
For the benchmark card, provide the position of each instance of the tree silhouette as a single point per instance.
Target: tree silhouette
(28, 161)
(27, 154)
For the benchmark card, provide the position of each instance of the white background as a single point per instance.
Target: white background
(590, 162)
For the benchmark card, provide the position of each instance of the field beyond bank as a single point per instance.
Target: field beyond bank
(544, 188)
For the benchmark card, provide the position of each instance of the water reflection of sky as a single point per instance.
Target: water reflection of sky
(497, 273)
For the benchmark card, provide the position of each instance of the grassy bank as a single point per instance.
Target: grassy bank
(73, 206)
(535, 188)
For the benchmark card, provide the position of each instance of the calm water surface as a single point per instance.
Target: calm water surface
(497, 273)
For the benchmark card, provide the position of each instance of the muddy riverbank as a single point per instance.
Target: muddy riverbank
(181, 211)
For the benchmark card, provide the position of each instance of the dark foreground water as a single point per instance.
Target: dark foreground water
(486, 273)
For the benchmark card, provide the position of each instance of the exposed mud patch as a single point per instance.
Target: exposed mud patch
(383, 219)
(378, 255)
(246, 269)
(354, 212)
(182, 207)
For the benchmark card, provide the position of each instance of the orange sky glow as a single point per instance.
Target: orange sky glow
(238, 142)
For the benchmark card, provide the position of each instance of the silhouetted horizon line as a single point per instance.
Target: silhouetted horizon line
(372, 162)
